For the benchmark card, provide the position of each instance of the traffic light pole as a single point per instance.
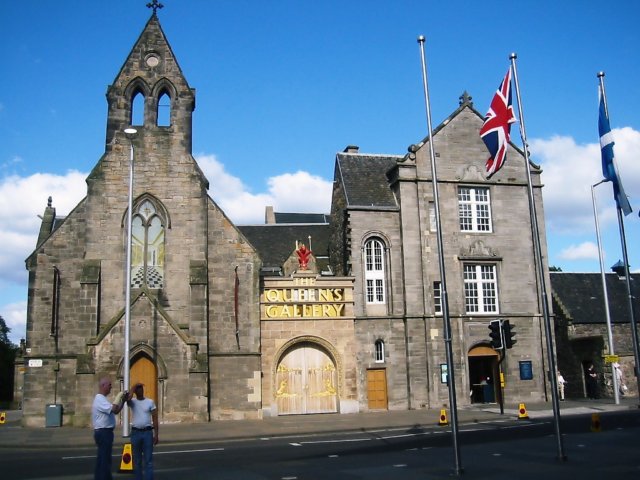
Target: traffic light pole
(503, 355)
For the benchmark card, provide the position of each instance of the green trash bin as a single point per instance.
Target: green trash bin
(53, 415)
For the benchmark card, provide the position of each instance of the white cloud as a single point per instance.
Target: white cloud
(22, 199)
(289, 192)
(583, 251)
(570, 169)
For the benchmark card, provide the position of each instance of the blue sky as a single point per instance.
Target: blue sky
(283, 85)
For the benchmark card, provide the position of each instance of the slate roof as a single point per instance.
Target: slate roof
(301, 217)
(364, 178)
(579, 296)
(276, 242)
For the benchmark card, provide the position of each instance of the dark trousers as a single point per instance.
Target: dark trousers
(104, 440)
(142, 446)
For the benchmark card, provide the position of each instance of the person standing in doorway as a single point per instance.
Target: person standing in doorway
(561, 384)
(592, 382)
(103, 415)
(144, 432)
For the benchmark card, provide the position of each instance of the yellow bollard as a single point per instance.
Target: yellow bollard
(595, 422)
(443, 417)
(126, 462)
(522, 412)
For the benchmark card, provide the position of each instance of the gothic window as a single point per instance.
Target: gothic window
(137, 109)
(374, 271)
(480, 288)
(147, 246)
(474, 209)
(164, 110)
(379, 351)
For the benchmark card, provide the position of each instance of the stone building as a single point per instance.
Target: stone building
(194, 346)
(384, 235)
(304, 314)
(581, 328)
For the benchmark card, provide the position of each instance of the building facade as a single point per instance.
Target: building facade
(197, 352)
(333, 313)
(582, 336)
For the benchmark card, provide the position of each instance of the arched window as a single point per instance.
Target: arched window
(374, 271)
(137, 109)
(164, 110)
(147, 246)
(379, 351)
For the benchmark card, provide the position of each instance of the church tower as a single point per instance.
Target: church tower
(194, 279)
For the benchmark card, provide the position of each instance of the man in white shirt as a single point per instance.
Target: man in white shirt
(144, 432)
(103, 415)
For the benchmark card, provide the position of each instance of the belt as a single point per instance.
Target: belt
(144, 429)
(106, 428)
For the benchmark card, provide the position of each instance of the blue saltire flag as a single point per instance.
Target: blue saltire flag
(609, 169)
(496, 130)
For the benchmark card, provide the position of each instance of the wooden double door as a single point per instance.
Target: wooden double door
(306, 382)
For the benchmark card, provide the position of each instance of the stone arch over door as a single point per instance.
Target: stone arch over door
(307, 377)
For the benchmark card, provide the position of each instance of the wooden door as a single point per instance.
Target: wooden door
(306, 382)
(144, 371)
(377, 389)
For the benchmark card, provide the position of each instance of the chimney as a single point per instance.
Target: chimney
(351, 149)
(269, 216)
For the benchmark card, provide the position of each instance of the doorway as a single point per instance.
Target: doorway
(144, 370)
(483, 374)
(377, 389)
(306, 381)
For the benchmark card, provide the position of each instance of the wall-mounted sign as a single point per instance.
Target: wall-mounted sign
(307, 297)
(526, 370)
(35, 362)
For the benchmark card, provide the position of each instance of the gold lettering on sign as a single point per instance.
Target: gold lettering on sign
(294, 302)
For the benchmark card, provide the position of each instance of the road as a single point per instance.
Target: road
(498, 449)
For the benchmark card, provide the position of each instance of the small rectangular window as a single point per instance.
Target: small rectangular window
(437, 298)
(379, 351)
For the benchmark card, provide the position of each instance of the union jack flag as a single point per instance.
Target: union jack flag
(496, 130)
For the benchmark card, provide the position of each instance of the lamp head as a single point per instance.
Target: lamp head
(130, 132)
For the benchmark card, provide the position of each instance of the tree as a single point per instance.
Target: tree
(553, 268)
(8, 353)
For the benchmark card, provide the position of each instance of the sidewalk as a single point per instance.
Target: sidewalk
(12, 434)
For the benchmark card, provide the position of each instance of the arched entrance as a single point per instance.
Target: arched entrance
(306, 381)
(483, 374)
(144, 370)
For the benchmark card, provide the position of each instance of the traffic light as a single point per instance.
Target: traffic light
(496, 333)
(509, 334)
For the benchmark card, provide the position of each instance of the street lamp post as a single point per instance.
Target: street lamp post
(130, 133)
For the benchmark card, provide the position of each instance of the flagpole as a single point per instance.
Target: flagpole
(443, 282)
(616, 393)
(538, 257)
(634, 328)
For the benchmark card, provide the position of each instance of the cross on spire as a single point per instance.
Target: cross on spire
(155, 5)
